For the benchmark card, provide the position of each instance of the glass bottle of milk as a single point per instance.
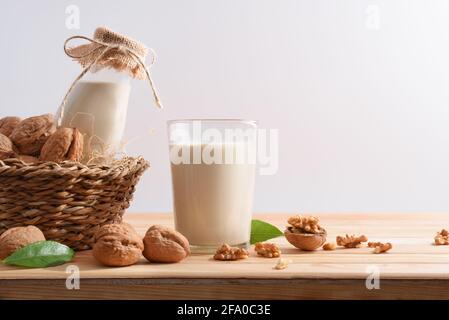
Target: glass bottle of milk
(97, 106)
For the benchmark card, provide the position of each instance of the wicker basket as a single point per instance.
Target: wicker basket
(67, 201)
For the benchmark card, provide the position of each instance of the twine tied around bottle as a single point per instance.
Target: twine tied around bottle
(110, 50)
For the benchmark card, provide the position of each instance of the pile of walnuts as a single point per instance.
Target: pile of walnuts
(38, 139)
(119, 245)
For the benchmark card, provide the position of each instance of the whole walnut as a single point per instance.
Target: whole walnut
(6, 147)
(31, 133)
(7, 125)
(117, 245)
(64, 144)
(17, 238)
(163, 244)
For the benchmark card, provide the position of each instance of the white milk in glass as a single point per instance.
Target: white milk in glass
(213, 202)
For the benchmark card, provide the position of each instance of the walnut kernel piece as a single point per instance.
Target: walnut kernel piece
(374, 244)
(64, 144)
(267, 250)
(442, 238)
(7, 125)
(117, 245)
(31, 133)
(351, 241)
(6, 147)
(282, 264)
(228, 253)
(329, 246)
(17, 238)
(380, 247)
(305, 224)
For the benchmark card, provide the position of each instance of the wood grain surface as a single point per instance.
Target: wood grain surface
(414, 268)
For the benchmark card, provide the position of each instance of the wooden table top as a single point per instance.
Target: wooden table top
(414, 263)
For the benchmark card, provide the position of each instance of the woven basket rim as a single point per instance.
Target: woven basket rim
(71, 167)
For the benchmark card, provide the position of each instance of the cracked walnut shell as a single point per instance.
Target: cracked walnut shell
(162, 244)
(267, 250)
(351, 241)
(64, 144)
(228, 253)
(7, 125)
(31, 133)
(16, 238)
(117, 245)
(6, 147)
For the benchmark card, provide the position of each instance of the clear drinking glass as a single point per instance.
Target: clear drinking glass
(213, 169)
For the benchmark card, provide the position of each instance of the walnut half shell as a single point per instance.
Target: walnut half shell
(305, 241)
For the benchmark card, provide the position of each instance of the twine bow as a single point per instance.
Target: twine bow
(105, 47)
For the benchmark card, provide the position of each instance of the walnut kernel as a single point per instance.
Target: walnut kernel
(228, 253)
(380, 247)
(351, 241)
(442, 238)
(282, 264)
(267, 250)
(304, 224)
(329, 246)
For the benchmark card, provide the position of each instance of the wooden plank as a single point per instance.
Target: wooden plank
(223, 289)
(414, 267)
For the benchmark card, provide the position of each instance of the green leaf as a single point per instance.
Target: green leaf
(40, 254)
(262, 231)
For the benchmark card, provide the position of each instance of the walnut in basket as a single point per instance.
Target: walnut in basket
(8, 124)
(31, 134)
(6, 147)
(64, 144)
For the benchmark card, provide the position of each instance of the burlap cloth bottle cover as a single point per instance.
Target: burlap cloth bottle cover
(109, 49)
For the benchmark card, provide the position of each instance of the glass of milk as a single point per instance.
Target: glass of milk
(213, 170)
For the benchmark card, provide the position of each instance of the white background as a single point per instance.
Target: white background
(358, 90)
